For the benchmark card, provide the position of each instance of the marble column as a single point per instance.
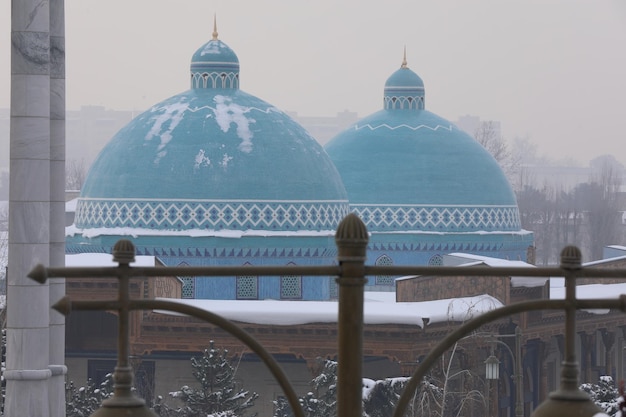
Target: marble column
(57, 204)
(27, 371)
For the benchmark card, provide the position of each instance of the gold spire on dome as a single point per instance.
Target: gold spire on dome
(404, 64)
(214, 27)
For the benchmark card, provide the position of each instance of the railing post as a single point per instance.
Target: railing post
(351, 239)
(569, 400)
(123, 402)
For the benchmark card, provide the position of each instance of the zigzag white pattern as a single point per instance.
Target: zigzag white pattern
(357, 127)
(197, 215)
(195, 109)
(438, 218)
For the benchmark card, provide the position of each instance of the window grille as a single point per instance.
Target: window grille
(291, 287)
(247, 287)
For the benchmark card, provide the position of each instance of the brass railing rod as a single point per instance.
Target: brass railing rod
(204, 271)
(265, 270)
(545, 271)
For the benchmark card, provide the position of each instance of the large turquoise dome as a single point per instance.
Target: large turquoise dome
(213, 157)
(405, 168)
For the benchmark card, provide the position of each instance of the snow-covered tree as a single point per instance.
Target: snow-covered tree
(379, 396)
(218, 393)
(604, 394)
(83, 401)
(322, 401)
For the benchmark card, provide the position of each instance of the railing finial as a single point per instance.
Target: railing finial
(124, 252)
(571, 258)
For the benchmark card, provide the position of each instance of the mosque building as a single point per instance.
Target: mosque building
(217, 176)
(423, 187)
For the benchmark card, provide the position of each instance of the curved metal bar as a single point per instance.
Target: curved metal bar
(217, 320)
(485, 318)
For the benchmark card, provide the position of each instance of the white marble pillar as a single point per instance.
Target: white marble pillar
(28, 312)
(57, 204)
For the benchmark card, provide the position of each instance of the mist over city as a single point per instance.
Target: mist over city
(312, 209)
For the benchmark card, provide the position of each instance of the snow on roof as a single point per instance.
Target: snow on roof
(475, 260)
(585, 292)
(104, 259)
(604, 261)
(70, 206)
(528, 282)
(285, 313)
(235, 234)
(489, 261)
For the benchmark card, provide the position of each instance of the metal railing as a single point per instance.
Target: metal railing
(351, 272)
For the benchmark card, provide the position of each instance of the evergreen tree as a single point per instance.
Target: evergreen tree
(83, 401)
(380, 397)
(604, 394)
(322, 402)
(218, 393)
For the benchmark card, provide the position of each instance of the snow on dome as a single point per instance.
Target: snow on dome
(406, 169)
(212, 158)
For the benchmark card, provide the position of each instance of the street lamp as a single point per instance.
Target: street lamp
(492, 372)
(492, 368)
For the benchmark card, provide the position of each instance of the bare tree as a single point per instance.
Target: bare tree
(488, 135)
(522, 156)
(598, 199)
(75, 174)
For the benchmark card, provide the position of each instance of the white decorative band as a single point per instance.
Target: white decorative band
(444, 219)
(58, 369)
(27, 375)
(210, 215)
(221, 79)
(404, 102)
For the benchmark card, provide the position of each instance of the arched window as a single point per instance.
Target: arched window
(384, 260)
(435, 260)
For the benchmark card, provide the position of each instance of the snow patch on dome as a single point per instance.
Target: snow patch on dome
(164, 124)
(225, 160)
(211, 48)
(226, 113)
(201, 159)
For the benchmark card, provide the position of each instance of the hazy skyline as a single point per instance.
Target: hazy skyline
(552, 70)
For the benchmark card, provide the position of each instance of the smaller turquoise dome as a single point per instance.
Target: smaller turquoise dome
(404, 90)
(215, 65)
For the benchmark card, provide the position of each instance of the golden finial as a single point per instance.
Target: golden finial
(214, 27)
(404, 65)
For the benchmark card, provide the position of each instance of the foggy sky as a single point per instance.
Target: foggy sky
(552, 70)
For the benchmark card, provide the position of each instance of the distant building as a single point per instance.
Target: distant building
(471, 124)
